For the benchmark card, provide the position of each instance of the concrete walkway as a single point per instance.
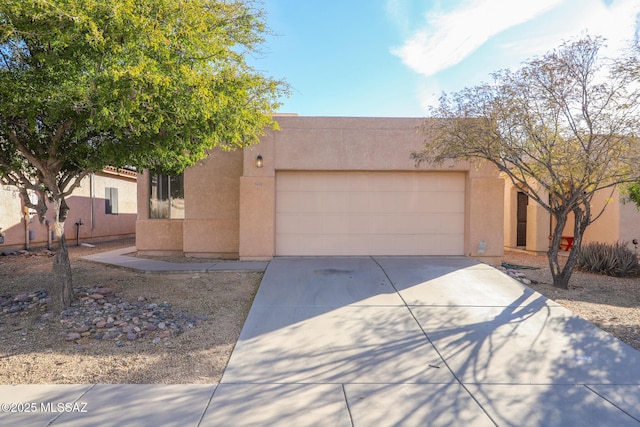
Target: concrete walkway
(120, 258)
(384, 341)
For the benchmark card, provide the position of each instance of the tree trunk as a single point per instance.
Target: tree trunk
(562, 275)
(62, 263)
(62, 272)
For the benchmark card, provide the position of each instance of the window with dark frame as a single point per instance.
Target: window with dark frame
(166, 197)
(111, 201)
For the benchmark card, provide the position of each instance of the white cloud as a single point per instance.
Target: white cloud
(397, 13)
(450, 37)
(429, 93)
(405, 14)
(616, 22)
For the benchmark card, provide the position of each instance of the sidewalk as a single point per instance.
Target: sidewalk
(120, 258)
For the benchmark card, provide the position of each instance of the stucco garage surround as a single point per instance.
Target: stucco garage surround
(347, 186)
(330, 186)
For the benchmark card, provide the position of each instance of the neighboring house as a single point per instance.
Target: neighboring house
(324, 186)
(528, 226)
(104, 204)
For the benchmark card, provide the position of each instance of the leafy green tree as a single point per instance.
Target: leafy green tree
(561, 128)
(145, 83)
(633, 192)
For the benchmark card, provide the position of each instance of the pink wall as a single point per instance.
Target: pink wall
(87, 204)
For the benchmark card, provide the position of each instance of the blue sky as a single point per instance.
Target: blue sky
(394, 58)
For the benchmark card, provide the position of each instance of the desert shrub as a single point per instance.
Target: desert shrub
(611, 259)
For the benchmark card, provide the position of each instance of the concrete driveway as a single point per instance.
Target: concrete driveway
(416, 341)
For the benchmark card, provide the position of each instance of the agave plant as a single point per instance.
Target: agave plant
(611, 259)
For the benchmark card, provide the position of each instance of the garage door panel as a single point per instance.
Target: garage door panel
(337, 224)
(451, 245)
(424, 182)
(300, 201)
(451, 224)
(438, 245)
(330, 245)
(288, 204)
(288, 224)
(334, 202)
(424, 202)
(303, 245)
(400, 245)
(389, 226)
(426, 224)
(407, 201)
(404, 202)
(404, 225)
(321, 181)
(369, 213)
(390, 183)
(359, 202)
(453, 182)
(369, 245)
(384, 204)
(450, 202)
(360, 224)
(291, 183)
(383, 225)
(360, 182)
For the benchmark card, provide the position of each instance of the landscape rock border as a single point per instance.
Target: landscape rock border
(102, 314)
(514, 273)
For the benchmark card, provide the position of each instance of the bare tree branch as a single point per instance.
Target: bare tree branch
(559, 128)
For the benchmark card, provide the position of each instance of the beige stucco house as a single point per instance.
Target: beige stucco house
(324, 186)
(528, 226)
(105, 205)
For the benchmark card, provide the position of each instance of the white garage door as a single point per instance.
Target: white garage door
(370, 213)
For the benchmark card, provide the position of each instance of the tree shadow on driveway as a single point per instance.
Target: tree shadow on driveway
(429, 345)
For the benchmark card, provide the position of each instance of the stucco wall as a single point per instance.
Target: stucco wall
(509, 212)
(159, 237)
(230, 202)
(257, 217)
(356, 144)
(87, 204)
(484, 215)
(212, 204)
(538, 221)
(538, 226)
(605, 229)
(618, 222)
(629, 223)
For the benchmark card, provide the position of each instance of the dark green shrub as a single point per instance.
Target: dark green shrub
(611, 259)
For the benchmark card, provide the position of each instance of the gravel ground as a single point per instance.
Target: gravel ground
(611, 303)
(37, 350)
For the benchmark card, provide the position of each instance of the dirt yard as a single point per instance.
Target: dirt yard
(184, 326)
(34, 350)
(611, 303)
